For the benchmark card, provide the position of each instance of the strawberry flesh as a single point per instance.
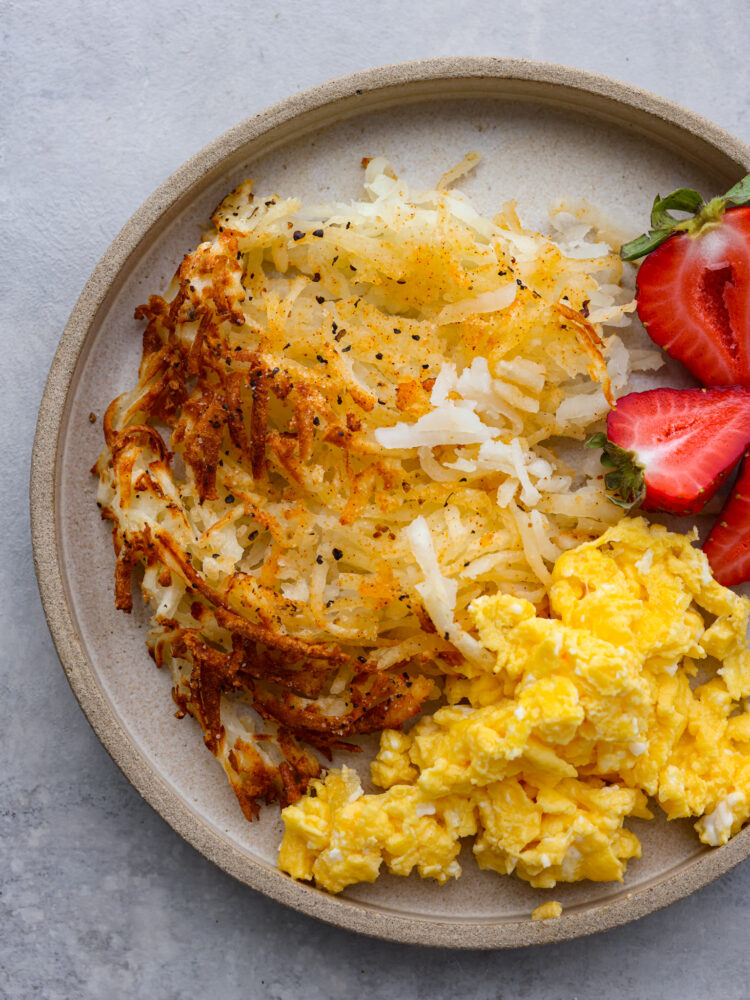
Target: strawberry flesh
(693, 295)
(728, 544)
(685, 442)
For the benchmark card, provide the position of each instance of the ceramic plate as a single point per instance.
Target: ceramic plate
(543, 131)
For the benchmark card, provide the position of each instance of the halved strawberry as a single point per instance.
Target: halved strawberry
(728, 544)
(693, 289)
(671, 449)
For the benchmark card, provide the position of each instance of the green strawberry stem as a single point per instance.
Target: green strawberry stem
(625, 483)
(703, 216)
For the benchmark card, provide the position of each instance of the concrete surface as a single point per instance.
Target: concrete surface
(98, 103)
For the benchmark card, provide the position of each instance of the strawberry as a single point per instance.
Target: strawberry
(728, 544)
(671, 449)
(693, 289)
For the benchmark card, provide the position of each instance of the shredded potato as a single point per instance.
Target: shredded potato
(345, 428)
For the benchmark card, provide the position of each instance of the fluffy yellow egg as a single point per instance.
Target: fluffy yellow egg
(547, 911)
(633, 688)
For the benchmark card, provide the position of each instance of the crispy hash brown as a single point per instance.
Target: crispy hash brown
(336, 443)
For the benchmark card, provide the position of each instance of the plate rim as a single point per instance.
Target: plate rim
(371, 90)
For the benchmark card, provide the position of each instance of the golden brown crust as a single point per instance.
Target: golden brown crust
(271, 451)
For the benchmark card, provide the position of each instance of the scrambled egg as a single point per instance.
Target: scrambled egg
(547, 911)
(633, 688)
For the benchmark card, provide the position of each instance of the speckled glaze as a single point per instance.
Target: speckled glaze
(543, 130)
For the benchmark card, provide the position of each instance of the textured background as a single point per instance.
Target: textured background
(99, 102)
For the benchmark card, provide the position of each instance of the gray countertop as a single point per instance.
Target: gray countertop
(100, 102)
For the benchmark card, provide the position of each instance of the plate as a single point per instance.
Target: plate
(543, 131)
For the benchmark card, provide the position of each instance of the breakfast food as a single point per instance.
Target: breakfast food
(357, 399)
(671, 449)
(693, 288)
(693, 297)
(351, 478)
(728, 544)
(547, 911)
(582, 715)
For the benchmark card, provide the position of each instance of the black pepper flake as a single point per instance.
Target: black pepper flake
(339, 400)
(415, 336)
(319, 560)
(286, 347)
(337, 554)
(335, 259)
(229, 498)
(317, 232)
(298, 235)
(381, 402)
(396, 330)
(401, 281)
(352, 267)
(347, 348)
(519, 282)
(501, 274)
(585, 308)
(362, 659)
(316, 421)
(329, 603)
(320, 299)
(321, 359)
(348, 225)
(214, 555)
(316, 277)
(379, 356)
(446, 635)
(425, 366)
(252, 535)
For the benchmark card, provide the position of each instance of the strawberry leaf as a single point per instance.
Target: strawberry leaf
(704, 216)
(683, 200)
(663, 223)
(625, 483)
(643, 245)
(740, 193)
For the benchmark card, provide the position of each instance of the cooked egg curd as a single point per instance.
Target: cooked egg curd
(634, 687)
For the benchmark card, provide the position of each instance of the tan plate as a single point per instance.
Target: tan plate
(544, 131)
